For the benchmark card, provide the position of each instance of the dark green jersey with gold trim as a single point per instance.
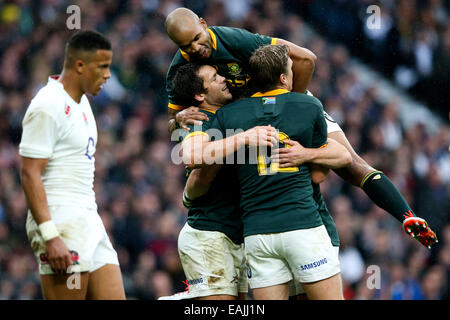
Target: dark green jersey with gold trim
(232, 49)
(327, 219)
(276, 199)
(218, 209)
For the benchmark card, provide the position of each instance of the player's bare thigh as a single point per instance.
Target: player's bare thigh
(106, 283)
(276, 292)
(326, 289)
(65, 286)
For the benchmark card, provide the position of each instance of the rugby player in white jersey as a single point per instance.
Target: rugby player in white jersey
(57, 150)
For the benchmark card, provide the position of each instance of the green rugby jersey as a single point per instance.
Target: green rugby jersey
(218, 209)
(327, 219)
(276, 199)
(232, 49)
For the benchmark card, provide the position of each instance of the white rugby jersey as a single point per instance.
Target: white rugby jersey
(57, 128)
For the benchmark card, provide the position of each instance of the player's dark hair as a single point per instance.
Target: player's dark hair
(267, 64)
(84, 41)
(186, 84)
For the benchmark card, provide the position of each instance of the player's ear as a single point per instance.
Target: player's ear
(79, 66)
(200, 97)
(283, 78)
(203, 23)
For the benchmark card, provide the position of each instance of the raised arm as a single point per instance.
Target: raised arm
(304, 61)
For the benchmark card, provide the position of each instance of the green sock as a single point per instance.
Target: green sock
(385, 194)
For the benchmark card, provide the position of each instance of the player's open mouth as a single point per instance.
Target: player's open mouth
(204, 53)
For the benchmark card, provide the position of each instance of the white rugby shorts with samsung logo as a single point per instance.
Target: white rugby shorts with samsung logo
(304, 256)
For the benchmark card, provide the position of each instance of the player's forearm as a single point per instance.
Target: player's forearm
(319, 173)
(194, 190)
(200, 180)
(333, 155)
(303, 71)
(171, 114)
(35, 195)
(303, 64)
(172, 125)
(197, 154)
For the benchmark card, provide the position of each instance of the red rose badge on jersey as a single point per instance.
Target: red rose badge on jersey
(85, 118)
(67, 110)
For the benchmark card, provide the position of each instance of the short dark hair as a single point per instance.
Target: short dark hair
(82, 41)
(267, 63)
(186, 84)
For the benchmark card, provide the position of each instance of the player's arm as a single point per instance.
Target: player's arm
(185, 117)
(58, 254)
(332, 155)
(198, 151)
(318, 173)
(200, 180)
(303, 63)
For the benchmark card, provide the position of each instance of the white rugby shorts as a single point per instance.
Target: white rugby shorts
(82, 231)
(212, 263)
(304, 255)
(295, 288)
(332, 125)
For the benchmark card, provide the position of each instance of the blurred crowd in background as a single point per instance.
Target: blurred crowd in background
(139, 189)
(411, 44)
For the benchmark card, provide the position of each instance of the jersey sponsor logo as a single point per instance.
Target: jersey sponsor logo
(328, 117)
(90, 148)
(195, 281)
(269, 100)
(201, 282)
(314, 264)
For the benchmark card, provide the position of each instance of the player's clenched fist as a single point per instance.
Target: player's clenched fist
(261, 136)
(58, 255)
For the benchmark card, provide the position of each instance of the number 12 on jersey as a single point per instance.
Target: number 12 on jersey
(266, 167)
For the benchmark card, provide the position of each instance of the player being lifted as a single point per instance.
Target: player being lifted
(284, 235)
(229, 50)
(209, 244)
(57, 148)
